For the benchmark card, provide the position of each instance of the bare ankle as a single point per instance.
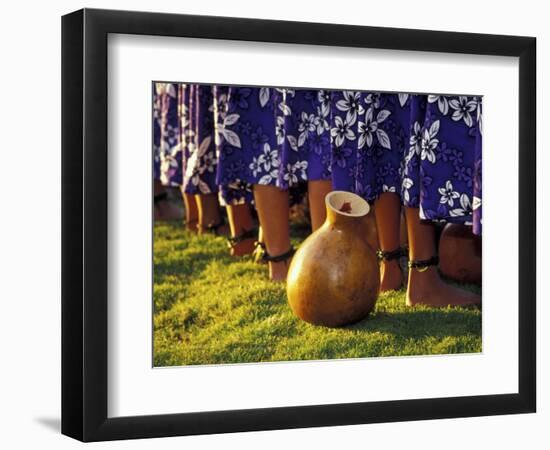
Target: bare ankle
(278, 270)
(391, 276)
(422, 282)
(244, 247)
(191, 225)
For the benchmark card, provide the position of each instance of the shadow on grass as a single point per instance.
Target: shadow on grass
(416, 324)
(189, 265)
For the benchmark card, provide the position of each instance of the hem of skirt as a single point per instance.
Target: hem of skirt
(198, 192)
(464, 220)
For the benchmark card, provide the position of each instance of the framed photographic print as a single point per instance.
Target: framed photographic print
(272, 224)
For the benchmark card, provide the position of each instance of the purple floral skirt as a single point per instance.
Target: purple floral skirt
(184, 152)
(199, 150)
(270, 136)
(167, 155)
(424, 148)
(441, 171)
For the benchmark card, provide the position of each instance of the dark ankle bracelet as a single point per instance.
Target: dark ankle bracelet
(421, 265)
(391, 255)
(248, 234)
(279, 258)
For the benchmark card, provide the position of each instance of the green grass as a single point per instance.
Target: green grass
(210, 308)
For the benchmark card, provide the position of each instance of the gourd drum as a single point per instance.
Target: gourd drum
(334, 278)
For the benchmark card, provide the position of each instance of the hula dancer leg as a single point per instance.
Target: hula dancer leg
(273, 208)
(244, 232)
(439, 184)
(317, 191)
(201, 162)
(191, 211)
(387, 210)
(425, 286)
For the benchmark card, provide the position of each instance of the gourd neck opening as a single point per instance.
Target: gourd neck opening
(345, 209)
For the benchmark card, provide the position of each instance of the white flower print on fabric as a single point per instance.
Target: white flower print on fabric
(194, 165)
(286, 93)
(323, 112)
(184, 117)
(280, 130)
(269, 158)
(307, 122)
(373, 99)
(479, 119)
(256, 166)
(171, 134)
(305, 125)
(230, 136)
(321, 121)
(415, 140)
(370, 128)
(323, 97)
(296, 172)
(264, 95)
(351, 106)
(267, 162)
(285, 109)
(430, 142)
(268, 178)
(341, 131)
(463, 109)
(406, 184)
(403, 99)
(465, 207)
(168, 165)
(220, 113)
(293, 142)
(189, 139)
(448, 195)
(166, 88)
(167, 145)
(208, 164)
(442, 103)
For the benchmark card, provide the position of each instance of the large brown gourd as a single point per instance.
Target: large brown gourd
(334, 278)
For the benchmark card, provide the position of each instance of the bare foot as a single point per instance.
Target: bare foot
(219, 230)
(245, 247)
(279, 270)
(391, 277)
(427, 288)
(191, 225)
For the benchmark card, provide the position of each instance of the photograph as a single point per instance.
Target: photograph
(274, 225)
(313, 223)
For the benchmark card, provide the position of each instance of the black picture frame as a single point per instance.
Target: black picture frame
(84, 224)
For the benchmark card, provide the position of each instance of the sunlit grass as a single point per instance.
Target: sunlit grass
(210, 308)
